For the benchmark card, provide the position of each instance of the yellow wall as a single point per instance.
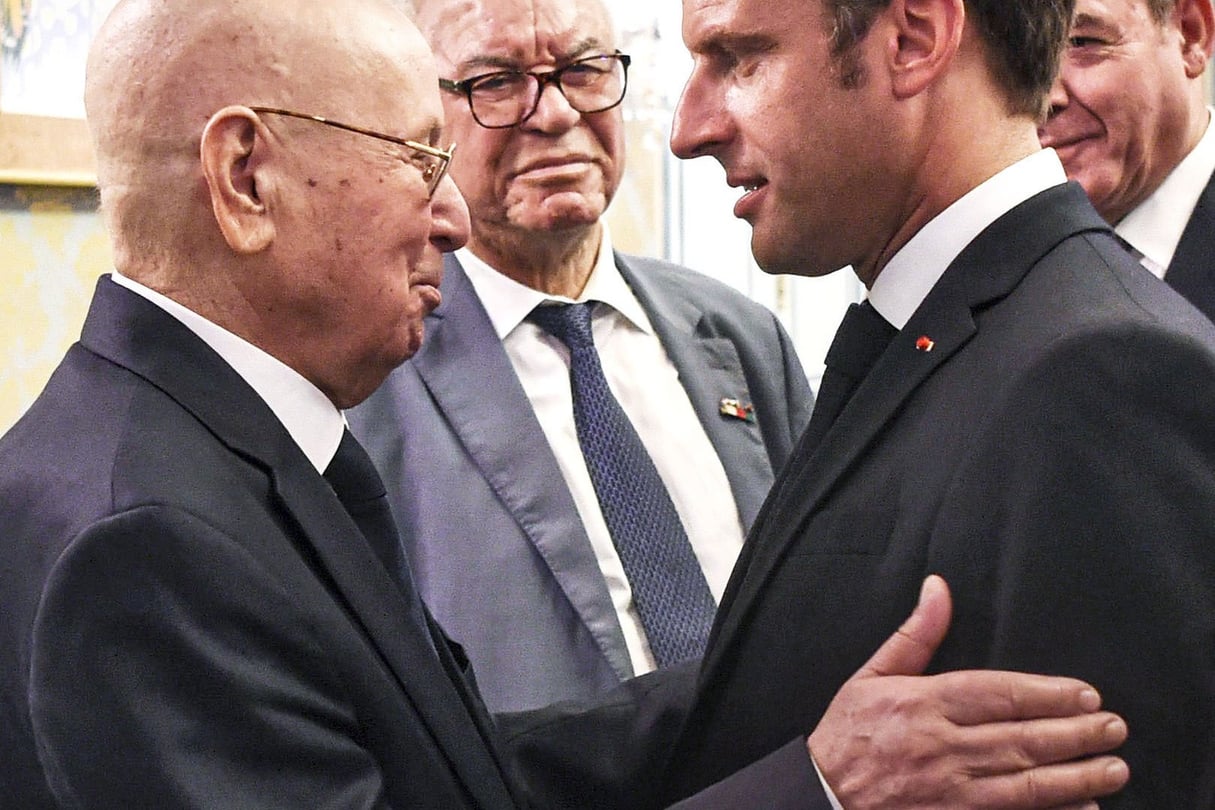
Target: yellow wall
(52, 249)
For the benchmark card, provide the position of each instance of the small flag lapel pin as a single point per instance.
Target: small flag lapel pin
(924, 343)
(733, 408)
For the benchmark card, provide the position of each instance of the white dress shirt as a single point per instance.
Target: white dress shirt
(904, 283)
(646, 384)
(1155, 226)
(310, 418)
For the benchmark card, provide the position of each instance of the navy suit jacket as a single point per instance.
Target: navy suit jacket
(1192, 271)
(490, 528)
(1053, 456)
(189, 617)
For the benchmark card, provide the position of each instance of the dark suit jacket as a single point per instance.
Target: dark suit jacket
(1053, 456)
(1192, 271)
(492, 532)
(190, 618)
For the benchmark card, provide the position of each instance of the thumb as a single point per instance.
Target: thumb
(912, 646)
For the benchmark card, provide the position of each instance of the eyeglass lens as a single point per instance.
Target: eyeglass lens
(508, 98)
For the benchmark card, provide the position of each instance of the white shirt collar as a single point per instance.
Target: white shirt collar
(508, 302)
(1154, 227)
(904, 283)
(313, 421)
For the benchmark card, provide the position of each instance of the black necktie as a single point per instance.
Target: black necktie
(361, 490)
(861, 338)
(669, 588)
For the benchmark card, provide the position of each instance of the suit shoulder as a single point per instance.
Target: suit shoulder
(1144, 295)
(670, 279)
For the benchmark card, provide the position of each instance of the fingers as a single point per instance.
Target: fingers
(1071, 784)
(912, 646)
(975, 739)
(972, 697)
(1004, 748)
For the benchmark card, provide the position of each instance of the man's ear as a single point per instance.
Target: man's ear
(1195, 19)
(232, 150)
(928, 34)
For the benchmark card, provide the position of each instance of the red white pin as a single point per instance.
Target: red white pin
(738, 410)
(924, 343)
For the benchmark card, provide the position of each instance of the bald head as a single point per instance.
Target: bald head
(158, 69)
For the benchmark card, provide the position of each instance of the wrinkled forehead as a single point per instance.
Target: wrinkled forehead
(518, 33)
(178, 61)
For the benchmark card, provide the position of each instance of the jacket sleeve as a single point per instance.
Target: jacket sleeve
(611, 755)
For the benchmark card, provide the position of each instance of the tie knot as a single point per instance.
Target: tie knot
(351, 473)
(569, 323)
(862, 337)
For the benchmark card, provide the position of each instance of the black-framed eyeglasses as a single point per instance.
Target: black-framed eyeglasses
(434, 169)
(507, 98)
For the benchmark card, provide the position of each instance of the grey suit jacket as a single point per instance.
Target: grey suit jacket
(491, 530)
(1192, 271)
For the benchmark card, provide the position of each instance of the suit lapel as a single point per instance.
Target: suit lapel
(986, 270)
(1192, 271)
(495, 422)
(709, 370)
(148, 341)
(406, 646)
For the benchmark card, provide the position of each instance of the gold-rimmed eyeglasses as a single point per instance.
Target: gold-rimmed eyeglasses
(433, 171)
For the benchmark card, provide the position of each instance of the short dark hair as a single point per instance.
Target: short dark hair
(1024, 41)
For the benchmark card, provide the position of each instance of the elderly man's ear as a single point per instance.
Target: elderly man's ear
(235, 155)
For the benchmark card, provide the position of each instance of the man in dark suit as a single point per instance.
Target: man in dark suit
(708, 378)
(191, 614)
(1130, 121)
(191, 617)
(1036, 423)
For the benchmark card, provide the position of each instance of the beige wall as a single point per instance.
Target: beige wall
(52, 249)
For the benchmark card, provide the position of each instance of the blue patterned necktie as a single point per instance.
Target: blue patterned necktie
(669, 588)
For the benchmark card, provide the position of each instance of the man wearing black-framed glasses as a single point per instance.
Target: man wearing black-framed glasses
(712, 388)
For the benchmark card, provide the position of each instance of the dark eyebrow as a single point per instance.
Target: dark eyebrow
(719, 41)
(1090, 22)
